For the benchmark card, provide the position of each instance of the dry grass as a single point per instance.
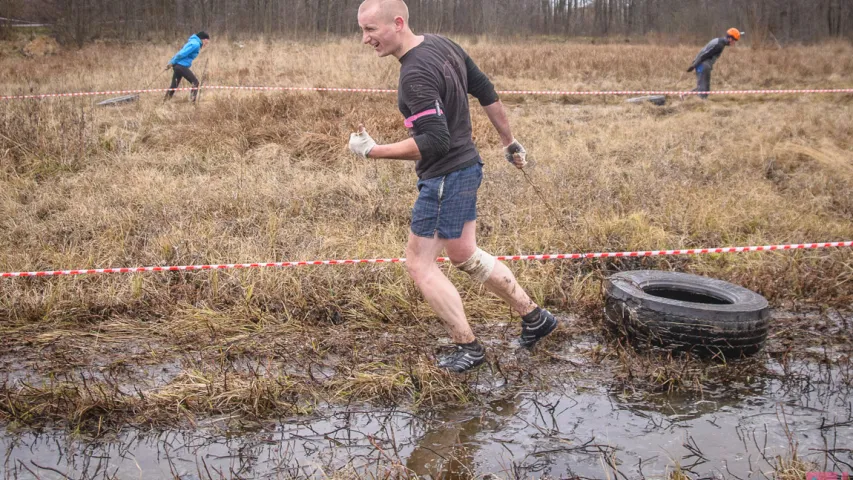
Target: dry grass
(248, 177)
(793, 468)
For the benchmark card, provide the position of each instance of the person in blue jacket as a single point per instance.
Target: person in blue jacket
(183, 60)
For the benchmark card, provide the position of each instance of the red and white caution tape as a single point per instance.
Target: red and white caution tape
(388, 90)
(211, 87)
(90, 94)
(675, 92)
(509, 258)
(304, 89)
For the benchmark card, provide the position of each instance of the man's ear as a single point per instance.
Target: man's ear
(399, 24)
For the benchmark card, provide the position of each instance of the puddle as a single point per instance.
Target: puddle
(123, 376)
(591, 431)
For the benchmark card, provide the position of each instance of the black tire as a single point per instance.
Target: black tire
(119, 100)
(679, 311)
(658, 100)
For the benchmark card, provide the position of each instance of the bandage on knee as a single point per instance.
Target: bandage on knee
(479, 266)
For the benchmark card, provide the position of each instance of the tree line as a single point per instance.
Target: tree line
(779, 21)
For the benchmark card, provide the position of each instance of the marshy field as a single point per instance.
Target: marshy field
(329, 371)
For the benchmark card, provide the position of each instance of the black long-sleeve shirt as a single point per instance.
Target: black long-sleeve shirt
(435, 80)
(711, 53)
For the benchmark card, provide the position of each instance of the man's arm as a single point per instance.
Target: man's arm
(483, 90)
(713, 48)
(405, 150)
(497, 115)
(433, 141)
(187, 48)
(513, 151)
(433, 138)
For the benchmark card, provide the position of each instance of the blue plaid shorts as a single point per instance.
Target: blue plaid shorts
(446, 203)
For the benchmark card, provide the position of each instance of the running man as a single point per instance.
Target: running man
(704, 62)
(183, 60)
(436, 76)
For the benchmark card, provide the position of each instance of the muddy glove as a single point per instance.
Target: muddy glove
(168, 66)
(360, 143)
(516, 154)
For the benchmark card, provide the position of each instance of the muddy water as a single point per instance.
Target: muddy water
(591, 430)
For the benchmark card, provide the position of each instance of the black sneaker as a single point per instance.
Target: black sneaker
(535, 326)
(465, 357)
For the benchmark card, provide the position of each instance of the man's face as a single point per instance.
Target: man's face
(378, 32)
(204, 42)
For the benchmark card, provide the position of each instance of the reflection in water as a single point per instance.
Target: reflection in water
(679, 407)
(448, 451)
(445, 452)
(588, 431)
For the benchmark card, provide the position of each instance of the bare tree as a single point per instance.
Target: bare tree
(78, 21)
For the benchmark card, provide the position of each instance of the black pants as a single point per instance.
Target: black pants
(703, 80)
(180, 72)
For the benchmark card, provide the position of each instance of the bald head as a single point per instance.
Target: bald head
(385, 10)
(385, 27)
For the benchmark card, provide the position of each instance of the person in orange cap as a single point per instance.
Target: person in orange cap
(704, 62)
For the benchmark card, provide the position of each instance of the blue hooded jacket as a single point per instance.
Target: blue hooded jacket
(188, 53)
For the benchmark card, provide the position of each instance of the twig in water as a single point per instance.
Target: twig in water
(51, 469)
(28, 469)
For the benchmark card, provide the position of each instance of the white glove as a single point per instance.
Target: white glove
(360, 143)
(516, 154)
